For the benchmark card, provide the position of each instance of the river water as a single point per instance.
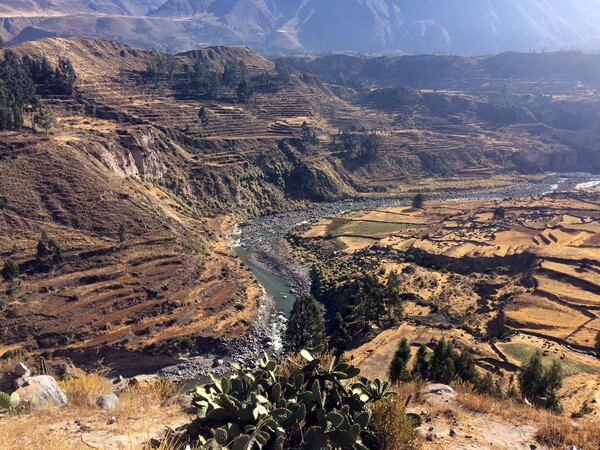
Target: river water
(259, 236)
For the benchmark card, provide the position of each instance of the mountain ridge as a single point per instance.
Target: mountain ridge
(316, 26)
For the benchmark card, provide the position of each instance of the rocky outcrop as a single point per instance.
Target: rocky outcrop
(46, 387)
(440, 390)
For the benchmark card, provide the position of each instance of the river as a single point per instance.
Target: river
(255, 240)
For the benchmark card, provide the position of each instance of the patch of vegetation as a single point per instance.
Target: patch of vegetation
(305, 328)
(540, 386)
(304, 403)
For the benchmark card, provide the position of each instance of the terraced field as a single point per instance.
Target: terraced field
(529, 279)
(131, 150)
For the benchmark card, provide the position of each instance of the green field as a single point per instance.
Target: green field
(523, 352)
(367, 228)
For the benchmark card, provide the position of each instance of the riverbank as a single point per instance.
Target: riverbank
(260, 243)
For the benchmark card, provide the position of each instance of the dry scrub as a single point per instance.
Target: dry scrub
(140, 416)
(83, 392)
(561, 432)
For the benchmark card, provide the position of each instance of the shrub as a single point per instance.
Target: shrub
(10, 271)
(418, 201)
(391, 428)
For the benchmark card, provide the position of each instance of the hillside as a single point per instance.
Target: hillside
(315, 26)
(177, 163)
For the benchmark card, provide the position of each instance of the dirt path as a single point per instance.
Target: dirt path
(471, 430)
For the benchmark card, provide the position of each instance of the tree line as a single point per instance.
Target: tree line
(202, 79)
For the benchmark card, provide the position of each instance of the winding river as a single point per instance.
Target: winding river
(256, 239)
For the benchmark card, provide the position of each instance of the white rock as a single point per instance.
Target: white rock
(443, 390)
(107, 402)
(47, 388)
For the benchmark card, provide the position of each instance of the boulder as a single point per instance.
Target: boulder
(107, 402)
(46, 387)
(21, 369)
(442, 390)
(144, 379)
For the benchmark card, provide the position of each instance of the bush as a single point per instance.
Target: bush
(418, 201)
(392, 429)
(10, 271)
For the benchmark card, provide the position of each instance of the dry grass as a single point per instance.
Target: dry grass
(140, 417)
(508, 410)
(145, 395)
(560, 432)
(83, 392)
(391, 428)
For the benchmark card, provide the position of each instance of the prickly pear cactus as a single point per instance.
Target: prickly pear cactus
(261, 409)
(9, 402)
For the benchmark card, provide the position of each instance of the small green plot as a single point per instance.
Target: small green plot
(367, 228)
(523, 352)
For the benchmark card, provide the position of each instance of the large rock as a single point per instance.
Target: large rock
(47, 388)
(441, 390)
(21, 369)
(144, 379)
(107, 402)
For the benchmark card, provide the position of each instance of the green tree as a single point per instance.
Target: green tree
(393, 298)
(46, 119)
(245, 90)
(348, 141)
(64, 77)
(340, 337)
(283, 69)
(499, 213)
(203, 116)
(48, 252)
(307, 135)
(170, 64)
(540, 386)
(397, 371)
(305, 328)
(265, 78)
(421, 365)
(441, 366)
(121, 233)
(10, 271)
(230, 72)
(1, 43)
(486, 385)
(418, 201)
(465, 367)
(371, 146)
(531, 377)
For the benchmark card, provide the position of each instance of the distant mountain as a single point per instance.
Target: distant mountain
(317, 26)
